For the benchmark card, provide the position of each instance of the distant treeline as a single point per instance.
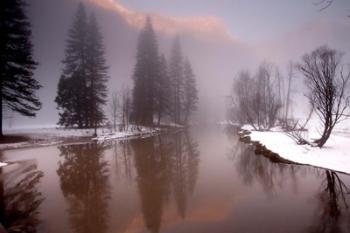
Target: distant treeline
(162, 92)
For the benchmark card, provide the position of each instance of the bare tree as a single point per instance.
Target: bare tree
(126, 108)
(324, 4)
(290, 78)
(269, 103)
(114, 106)
(327, 83)
(255, 100)
(242, 110)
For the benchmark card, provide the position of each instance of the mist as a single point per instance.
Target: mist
(216, 51)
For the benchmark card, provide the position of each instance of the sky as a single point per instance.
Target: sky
(219, 37)
(250, 21)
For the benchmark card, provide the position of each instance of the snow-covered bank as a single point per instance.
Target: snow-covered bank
(132, 132)
(55, 135)
(335, 155)
(44, 136)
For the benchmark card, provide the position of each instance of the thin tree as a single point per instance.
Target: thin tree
(162, 95)
(176, 76)
(190, 92)
(126, 108)
(114, 108)
(328, 87)
(17, 85)
(289, 87)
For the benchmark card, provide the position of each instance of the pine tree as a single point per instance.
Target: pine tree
(96, 74)
(145, 73)
(72, 91)
(176, 76)
(17, 85)
(163, 86)
(190, 92)
(82, 90)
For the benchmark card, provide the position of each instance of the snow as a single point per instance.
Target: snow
(51, 135)
(131, 132)
(42, 132)
(335, 155)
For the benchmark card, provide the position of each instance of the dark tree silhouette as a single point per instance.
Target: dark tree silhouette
(17, 85)
(328, 87)
(72, 92)
(332, 205)
(145, 73)
(20, 199)
(83, 177)
(151, 181)
(165, 164)
(96, 73)
(82, 90)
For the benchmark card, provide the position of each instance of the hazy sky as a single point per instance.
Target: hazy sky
(220, 37)
(248, 20)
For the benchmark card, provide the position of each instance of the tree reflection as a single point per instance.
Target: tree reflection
(84, 182)
(123, 156)
(20, 198)
(254, 167)
(185, 169)
(332, 204)
(164, 164)
(151, 180)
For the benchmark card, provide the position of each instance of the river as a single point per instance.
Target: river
(204, 180)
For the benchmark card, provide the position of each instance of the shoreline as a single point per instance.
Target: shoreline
(58, 136)
(263, 148)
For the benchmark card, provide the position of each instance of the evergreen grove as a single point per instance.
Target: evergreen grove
(162, 90)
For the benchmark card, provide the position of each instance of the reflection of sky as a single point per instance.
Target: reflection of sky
(252, 20)
(222, 200)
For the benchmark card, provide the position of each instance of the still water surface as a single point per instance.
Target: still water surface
(201, 181)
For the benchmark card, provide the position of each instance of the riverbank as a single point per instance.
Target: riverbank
(47, 136)
(335, 155)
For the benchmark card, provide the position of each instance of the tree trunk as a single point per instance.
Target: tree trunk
(159, 117)
(326, 134)
(1, 116)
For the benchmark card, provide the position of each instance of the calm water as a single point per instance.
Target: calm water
(202, 181)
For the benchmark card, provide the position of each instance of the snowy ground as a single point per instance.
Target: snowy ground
(44, 136)
(131, 132)
(335, 155)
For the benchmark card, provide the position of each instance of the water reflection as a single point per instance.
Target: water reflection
(165, 165)
(19, 197)
(154, 185)
(333, 205)
(123, 160)
(253, 167)
(332, 210)
(83, 177)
